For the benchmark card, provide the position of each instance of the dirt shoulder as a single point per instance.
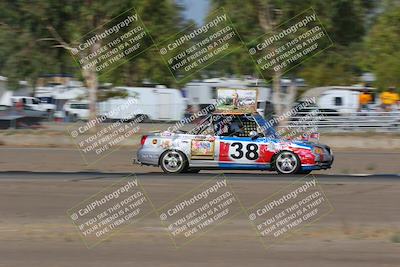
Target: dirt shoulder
(58, 135)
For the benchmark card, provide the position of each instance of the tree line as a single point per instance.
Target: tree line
(364, 32)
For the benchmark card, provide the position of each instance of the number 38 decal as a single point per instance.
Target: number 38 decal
(244, 152)
(250, 151)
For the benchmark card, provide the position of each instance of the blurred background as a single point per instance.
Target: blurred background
(355, 82)
(44, 93)
(362, 64)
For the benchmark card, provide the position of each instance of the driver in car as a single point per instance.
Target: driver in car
(235, 127)
(232, 128)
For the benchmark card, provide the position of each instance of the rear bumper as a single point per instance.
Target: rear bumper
(147, 157)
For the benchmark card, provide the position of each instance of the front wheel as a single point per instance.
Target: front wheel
(173, 161)
(287, 162)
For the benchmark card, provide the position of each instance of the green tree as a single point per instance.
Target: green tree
(162, 19)
(332, 67)
(24, 54)
(35, 37)
(347, 17)
(382, 48)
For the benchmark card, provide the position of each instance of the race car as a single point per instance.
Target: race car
(231, 142)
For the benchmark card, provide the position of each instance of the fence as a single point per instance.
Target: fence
(353, 121)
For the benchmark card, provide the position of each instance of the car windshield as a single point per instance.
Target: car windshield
(266, 127)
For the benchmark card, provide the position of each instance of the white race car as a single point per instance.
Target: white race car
(231, 141)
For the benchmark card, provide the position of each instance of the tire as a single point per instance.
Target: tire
(286, 162)
(173, 161)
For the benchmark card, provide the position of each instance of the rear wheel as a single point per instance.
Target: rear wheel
(287, 162)
(173, 161)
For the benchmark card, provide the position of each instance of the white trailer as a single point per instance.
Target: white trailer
(3, 85)
(59, 95)
(156, 104)
(343, 99)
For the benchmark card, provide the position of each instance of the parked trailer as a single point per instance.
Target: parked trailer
(343, 99)
(3, 87)
(59, 95)
(155, 104)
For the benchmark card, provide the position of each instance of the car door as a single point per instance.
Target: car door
(243, 152)
(203, 151)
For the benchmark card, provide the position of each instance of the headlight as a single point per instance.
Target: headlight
(318, 150)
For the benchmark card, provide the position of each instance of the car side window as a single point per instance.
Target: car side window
(221, 126)
(208, 130)
(204, 128)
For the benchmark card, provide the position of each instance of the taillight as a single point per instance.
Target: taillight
(143, 140)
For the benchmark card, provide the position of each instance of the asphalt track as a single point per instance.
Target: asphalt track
(360, 231)
(38, 186)
(70, 160)
(204, 175)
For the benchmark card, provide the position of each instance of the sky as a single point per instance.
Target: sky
(195, 9)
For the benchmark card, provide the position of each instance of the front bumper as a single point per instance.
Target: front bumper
(319, 165)
(323, 160)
